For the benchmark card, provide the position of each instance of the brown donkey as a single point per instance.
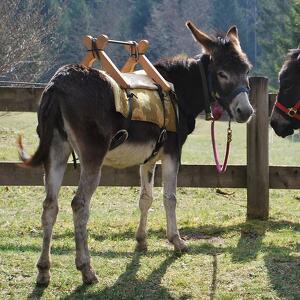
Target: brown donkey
(77, 112)
(286, 113)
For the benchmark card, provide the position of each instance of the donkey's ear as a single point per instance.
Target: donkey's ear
(206, 42)
(233, 32)
(233, 35)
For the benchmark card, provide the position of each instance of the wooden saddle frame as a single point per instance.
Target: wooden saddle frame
(95, 50)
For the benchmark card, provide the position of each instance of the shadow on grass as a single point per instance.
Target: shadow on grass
(249, 244)
(284, 272)
(282, 263)
(283, 266)
(37, 293)
(251, 237)
(128, 286)
(200, 232)
(213, 286)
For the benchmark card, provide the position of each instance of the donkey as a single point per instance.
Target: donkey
(286, 116)
(77, 112)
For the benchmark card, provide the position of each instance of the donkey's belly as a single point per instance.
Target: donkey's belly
(128, 154)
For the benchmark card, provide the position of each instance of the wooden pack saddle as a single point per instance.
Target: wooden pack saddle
(139, 95)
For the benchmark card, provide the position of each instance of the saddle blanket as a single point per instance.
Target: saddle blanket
(146, 103)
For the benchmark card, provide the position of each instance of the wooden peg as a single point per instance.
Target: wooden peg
(106, 62)
(90, 57)
(130, 64)
(143, 46)
(102, 41)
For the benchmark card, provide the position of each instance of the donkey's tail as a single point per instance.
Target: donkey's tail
(49, 117)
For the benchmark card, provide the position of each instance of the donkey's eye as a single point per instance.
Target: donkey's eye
(222, 75)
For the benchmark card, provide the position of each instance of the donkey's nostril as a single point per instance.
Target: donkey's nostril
(242, 114)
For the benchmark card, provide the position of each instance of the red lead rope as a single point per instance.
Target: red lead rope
(221, 168)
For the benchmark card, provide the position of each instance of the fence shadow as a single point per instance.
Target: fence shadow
(282, 263)
(283, 266)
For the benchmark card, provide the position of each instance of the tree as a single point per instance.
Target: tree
(240, 13)
(275, 35)
(295, 24)
(26, 30)
(93, 17)
(166, 29)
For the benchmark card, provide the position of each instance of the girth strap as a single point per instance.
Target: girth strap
(121, 136)
(163, 132)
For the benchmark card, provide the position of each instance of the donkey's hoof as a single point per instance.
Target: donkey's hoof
(141, 246)
(89, 277)
(43, 279)
(179, 245)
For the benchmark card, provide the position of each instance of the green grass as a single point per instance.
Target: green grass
(229, 258)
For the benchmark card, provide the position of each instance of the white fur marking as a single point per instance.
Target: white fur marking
(241, 102)
(128, 154)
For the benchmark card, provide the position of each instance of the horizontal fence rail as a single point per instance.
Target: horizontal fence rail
(202, 176)
(25, 99)
(20, 99)
(189, 176)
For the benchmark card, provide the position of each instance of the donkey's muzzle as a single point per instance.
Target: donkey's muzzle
(282, 130)
(241, 108)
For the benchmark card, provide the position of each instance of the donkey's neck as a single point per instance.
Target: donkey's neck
(185, 75)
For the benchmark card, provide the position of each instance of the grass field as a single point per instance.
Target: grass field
(229, 258)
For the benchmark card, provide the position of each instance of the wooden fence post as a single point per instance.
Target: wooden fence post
(258, 152)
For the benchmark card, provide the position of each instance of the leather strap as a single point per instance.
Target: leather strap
(291, 112)
(207, 108)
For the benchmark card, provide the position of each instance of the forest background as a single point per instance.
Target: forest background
(37, 37)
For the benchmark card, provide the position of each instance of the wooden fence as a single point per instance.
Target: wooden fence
(257, 176)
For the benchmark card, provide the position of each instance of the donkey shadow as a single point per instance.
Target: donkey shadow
(128, 286)
(283, 268)
(37, 293)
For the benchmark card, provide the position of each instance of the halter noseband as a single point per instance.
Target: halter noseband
(292, 112)
(232, 95)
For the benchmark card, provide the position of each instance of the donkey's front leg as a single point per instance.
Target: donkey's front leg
(146, 198)
(169, 176)
(89, 180)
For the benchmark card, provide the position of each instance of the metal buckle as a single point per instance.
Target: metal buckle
(292, 112)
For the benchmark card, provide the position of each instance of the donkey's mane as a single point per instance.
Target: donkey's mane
(291, 61)
(227, 54)
(292, 56)
(180, 61)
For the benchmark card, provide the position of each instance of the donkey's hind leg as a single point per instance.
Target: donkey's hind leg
(91, 154)
(54, 172)
(146, 198)
(169, 177)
